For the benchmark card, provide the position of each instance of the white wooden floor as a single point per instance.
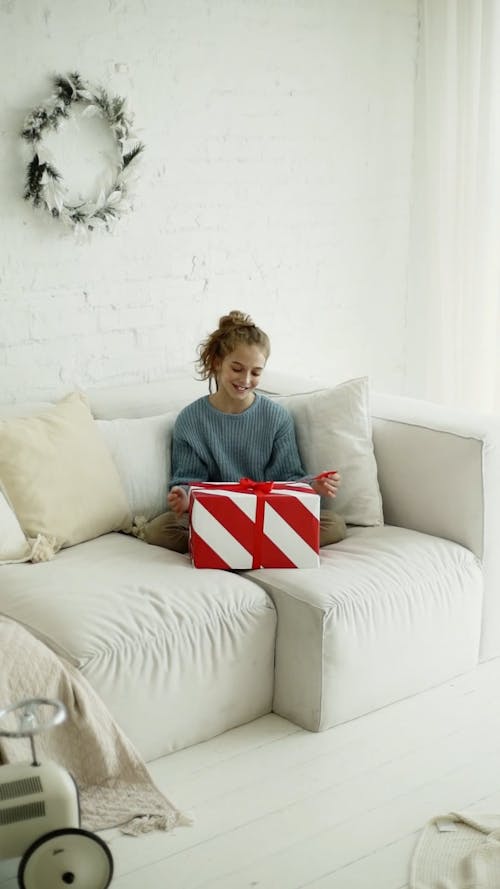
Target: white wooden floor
(278, 808)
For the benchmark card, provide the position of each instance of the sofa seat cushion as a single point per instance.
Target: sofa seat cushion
(178, 655)
(389, 613)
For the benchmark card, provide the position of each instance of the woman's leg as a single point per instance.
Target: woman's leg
(168, 530)
(331, 527)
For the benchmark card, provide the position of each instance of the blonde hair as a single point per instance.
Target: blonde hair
(234, 329)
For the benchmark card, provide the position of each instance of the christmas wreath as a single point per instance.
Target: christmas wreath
(44, 184)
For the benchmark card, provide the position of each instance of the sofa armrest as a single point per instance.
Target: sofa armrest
(439, 473)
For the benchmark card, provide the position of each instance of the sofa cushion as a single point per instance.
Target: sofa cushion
(390, 613)
(178, 655)
(334, 431)
(141, 451)
(147, 399)
(25, 408)
(59, 476)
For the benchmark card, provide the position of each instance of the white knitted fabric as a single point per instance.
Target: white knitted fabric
(467, 856)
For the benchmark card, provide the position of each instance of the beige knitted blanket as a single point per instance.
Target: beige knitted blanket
(460, 850)
(114, 783)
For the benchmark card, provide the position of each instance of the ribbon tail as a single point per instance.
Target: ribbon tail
(259, 532)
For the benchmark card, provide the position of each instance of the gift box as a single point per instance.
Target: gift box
(250, 524)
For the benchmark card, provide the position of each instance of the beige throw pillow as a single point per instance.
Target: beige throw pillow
(59, 476)
(334, 431)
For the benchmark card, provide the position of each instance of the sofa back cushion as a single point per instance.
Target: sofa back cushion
(146, 399)
(141, 450)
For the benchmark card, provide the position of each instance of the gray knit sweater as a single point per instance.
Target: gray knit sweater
(259, 443)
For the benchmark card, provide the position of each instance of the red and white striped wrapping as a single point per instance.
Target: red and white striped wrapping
(254, 525)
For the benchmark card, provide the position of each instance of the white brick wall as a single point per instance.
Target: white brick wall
(276, 180)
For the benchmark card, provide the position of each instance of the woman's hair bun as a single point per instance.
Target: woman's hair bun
(235, 319)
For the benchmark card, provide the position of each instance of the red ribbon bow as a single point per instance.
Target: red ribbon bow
(248, 485)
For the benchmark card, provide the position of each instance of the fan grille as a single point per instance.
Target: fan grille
(23, 787)
(22, 813)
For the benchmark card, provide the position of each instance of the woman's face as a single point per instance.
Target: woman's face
(239, 374)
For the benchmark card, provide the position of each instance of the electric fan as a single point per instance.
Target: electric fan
(40, 811)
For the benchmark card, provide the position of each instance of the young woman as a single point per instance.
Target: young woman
(234, 432)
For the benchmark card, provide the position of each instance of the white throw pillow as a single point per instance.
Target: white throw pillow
(59, 476)
(334, 431)
(141, 449)
(14, 546)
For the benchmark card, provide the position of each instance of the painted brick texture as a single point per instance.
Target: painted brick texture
(276, 179)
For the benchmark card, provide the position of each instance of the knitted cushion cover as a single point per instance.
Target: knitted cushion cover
(460, 850)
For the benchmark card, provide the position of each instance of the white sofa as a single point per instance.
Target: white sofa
(180, 655)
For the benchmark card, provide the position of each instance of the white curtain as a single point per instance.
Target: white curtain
(453, 310)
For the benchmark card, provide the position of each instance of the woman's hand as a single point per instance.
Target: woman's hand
(327, 484)
(178, 500)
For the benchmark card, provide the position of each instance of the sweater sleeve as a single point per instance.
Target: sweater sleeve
(187, 465)
(285, 463)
